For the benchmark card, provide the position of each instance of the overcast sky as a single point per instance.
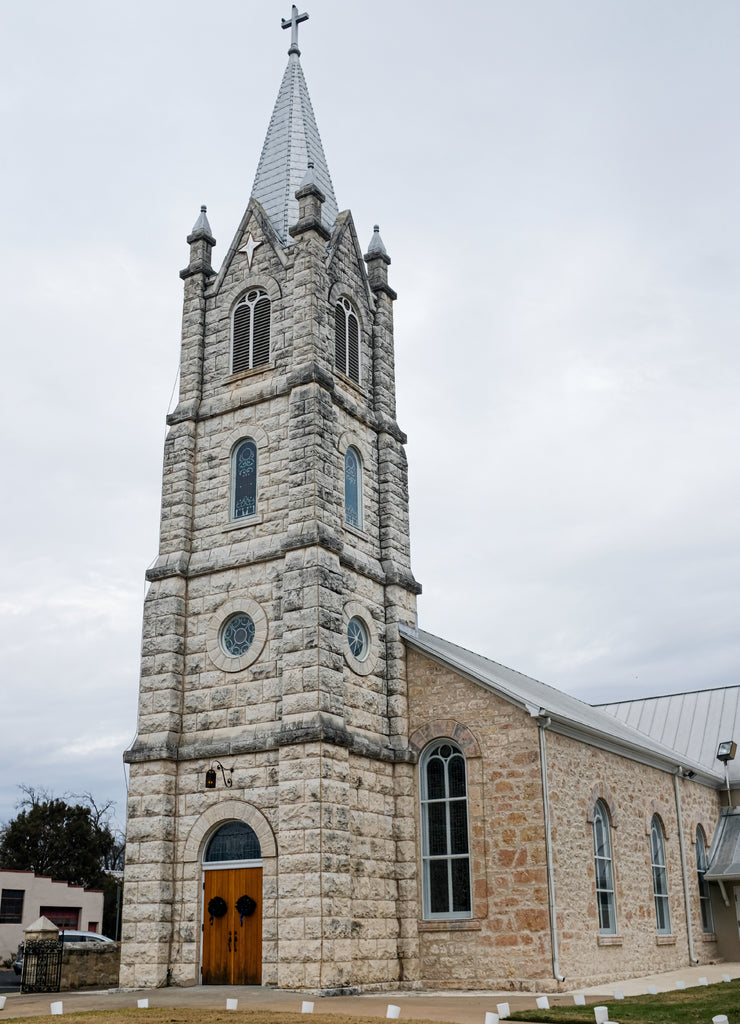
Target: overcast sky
(557, 185)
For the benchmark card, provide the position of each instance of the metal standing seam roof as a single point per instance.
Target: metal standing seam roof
(697, 721)
(568, 715)
(292, 140)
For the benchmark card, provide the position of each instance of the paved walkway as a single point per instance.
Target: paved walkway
(460, 1008)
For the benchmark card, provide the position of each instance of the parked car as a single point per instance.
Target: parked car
(66, 936)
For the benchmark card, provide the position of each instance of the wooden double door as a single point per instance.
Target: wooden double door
(232, 940)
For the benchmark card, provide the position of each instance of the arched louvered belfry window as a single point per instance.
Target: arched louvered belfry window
(233, 841)
(353, 488)
(604, 871)
(660, 877)
(250, 344)
(444, 834)
(705, 902)
(347, 340)
(244, 479)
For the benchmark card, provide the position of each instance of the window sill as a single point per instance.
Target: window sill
(356, 530)
(238, 524)
(708, 937)
(464, 925)
(609, 940)
(254, 371)
(665, 940)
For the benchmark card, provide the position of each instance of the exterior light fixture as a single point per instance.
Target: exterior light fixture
(726, 751)
(211, 775)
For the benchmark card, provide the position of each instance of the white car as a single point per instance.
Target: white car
(66, 936)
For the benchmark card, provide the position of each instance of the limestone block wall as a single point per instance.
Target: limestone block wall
(506, 943)
(90, 965)
(579, 775)
(336, 832)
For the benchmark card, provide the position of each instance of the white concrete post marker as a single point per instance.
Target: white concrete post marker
(56, 1008)
(491, 1018)
(306, 1007)
(503, 1010)
(579, 999)
(393, 1011)
(231, 1004)
(601, 1013)
(543, 1003)
(143, 1004)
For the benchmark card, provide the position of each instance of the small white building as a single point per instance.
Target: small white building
(26, 896)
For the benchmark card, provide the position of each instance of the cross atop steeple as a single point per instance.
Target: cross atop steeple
(292, 23)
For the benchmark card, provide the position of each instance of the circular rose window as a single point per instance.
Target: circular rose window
(237, 634)
(357, 638)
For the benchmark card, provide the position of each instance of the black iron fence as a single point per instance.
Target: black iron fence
(42, 965)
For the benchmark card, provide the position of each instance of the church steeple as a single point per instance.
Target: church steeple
(292, 141)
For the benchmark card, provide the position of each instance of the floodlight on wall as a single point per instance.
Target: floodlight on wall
(211, 775)
(726, 751)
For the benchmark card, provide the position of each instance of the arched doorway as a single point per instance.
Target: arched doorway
(232, 907)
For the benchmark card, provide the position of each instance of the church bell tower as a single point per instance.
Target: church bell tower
(271, 835)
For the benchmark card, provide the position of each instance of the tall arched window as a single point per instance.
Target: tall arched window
(347, 340)
(233, 841)
(250, 344)
(353, 488)
(604, 873)
(660, 878)
(707, 921)
(445, 845)
(244, 479)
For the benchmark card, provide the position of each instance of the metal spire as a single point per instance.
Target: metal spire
(292, 142)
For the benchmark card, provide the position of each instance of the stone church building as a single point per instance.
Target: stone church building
(322, 795)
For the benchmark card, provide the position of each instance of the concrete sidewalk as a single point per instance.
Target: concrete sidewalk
(457, 1007)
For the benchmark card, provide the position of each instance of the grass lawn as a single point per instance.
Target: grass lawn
(696, 1005)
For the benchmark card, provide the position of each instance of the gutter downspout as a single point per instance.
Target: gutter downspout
(687, 901)
(543, 721)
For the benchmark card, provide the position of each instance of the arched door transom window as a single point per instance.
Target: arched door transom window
(233, 841)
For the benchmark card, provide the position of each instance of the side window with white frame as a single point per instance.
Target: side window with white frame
(353, 488)
(244, 479)
(660, 877)
(250, 331)
(705, 902)
(603, 867)
(347, 340)
(445, 841)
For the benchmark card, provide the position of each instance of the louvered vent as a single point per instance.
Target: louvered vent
(251, 332)
(347, 340)
(261, 343)
(340, 338)
(242, 331)
(353, 348)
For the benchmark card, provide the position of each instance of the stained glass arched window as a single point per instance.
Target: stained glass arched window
(250, 337)
(347, 340)
(705, 902)
(353, 488)
(244, 480)
(445, 844)
(660, 878)
(604, 873)
(233, 841)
